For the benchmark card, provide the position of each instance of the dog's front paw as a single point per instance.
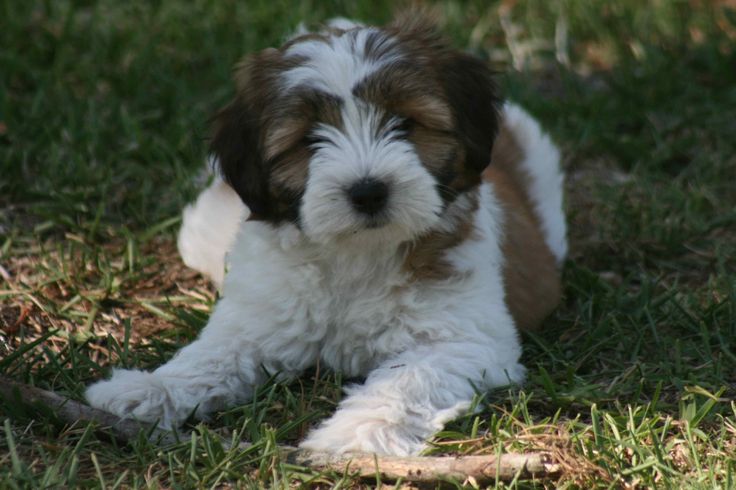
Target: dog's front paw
(344, 433)
(134, 394)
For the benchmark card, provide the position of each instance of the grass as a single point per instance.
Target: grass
(103, 124)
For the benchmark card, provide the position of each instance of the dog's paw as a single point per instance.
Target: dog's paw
(366, 435)
(134, 394)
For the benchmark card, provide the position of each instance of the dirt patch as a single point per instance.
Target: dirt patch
(89, 293)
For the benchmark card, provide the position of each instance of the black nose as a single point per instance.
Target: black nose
(368, 196)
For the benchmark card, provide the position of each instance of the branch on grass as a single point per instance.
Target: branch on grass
(417, 469)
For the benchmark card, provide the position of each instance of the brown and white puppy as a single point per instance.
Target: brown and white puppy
(370, 234)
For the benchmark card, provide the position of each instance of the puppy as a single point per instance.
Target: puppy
(369, 225)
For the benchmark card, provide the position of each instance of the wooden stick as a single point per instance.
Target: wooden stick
(417, 469)
(429, 468)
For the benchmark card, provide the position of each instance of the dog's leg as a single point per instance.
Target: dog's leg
(220, 369)
(408, 398)
(203, 376)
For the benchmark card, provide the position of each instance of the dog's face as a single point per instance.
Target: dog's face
(358, 131)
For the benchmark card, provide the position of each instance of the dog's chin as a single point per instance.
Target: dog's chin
(376, 231)
(376, 223)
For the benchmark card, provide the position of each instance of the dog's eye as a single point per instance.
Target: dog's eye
(313, 140)
(406, 125)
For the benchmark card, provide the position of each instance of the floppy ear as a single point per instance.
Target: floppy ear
(466, 80)
(236, 144)
(472, 94)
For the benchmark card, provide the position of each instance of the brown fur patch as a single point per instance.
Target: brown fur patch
(291, 169)
(256, 74)
(426, 260)
(506, 157)
(428, 110)
(290, 121)
(436, 150)
(309, 36)
(466, 87)
(288, 138)
(238, 139)
(408, 91)
(284, 134)
(262, 138)
(378, 45)
(531, 276)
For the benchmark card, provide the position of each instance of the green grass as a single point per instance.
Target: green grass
(103, 125)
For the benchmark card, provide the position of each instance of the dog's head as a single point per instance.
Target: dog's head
(358, 130)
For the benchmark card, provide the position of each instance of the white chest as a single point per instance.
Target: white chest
(354, 307)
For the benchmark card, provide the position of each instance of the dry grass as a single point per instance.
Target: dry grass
(631, 383)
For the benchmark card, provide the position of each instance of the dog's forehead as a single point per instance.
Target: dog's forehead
(337, 61)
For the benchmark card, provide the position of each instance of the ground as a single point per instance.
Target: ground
(104, 110)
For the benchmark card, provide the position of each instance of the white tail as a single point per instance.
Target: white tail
(541, 162)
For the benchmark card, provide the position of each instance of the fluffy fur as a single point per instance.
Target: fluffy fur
(413, 295)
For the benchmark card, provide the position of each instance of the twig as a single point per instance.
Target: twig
(416, 469)
(69, 411)
(429, 468)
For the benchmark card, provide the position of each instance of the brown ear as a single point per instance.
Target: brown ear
(237, 145)
(472, 94)
(419, 24)
(467, 82)
(238, 141)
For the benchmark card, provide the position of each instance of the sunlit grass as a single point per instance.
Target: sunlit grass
(104, 111)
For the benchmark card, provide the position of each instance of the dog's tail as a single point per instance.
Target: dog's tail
(528, 156)
(208, 229)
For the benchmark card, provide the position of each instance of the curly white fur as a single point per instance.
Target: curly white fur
(288, 302)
